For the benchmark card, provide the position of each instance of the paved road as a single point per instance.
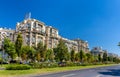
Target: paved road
(112, 71)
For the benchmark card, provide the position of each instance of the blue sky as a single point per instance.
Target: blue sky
(97, 21)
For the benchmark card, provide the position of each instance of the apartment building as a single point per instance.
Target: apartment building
(97, 50)
(71, 44)
(6, 33)
(34, 31)
(113, 55)
(52, 37)
(82, 45)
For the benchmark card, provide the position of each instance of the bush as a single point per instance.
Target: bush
(1, 60)
(43, 65)
(71, 64)
(18, 67)
(62, 64)
(85, 64)
(97, 63)
(52, 65)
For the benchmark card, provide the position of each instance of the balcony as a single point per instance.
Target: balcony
(39, 32)
(54, 36)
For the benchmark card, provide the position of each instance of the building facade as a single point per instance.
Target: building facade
(6, 33)
(97, 50)
(82, 45)
(34, 31)
(52, 37)
(113, 55)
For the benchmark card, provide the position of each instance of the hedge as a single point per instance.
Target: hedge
(18, 67)
(43, 65)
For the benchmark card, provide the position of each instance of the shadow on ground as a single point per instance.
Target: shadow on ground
(112, 72)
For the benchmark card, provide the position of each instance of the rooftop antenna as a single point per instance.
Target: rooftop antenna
(28, 15)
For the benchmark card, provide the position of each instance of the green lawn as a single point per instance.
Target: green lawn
(11, 73)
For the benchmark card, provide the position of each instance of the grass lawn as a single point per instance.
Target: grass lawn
(11, 73)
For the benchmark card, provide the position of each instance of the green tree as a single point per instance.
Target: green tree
(92, 58)
(85, 58)
(50, 55)
(37, 55)
(77, 57)
(82, 55)
(41, 50)
(28, 53)
(68, 56)
(110, 58)
(95, 58)
(18, 44)
(105, 57)
(89, 56)
(61, 52)
(44, 51)
(99, 57)
(72, 55)
(9, 48)
(31, 54)
(24, 51)
(116, 59)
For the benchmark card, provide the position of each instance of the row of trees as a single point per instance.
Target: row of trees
(41, 53)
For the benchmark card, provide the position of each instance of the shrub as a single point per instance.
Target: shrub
(52, 65)
(97, 63)
(43, 65)
(85, 64)
(1, 60)
(71, 64)
(62, 64)
(18, 67)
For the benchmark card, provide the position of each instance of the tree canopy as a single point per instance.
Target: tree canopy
(18, 44)
(9, 48)
(61, 52)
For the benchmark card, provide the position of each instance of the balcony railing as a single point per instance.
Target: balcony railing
(38, 31)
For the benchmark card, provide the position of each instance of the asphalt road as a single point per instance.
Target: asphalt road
(111, 71)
